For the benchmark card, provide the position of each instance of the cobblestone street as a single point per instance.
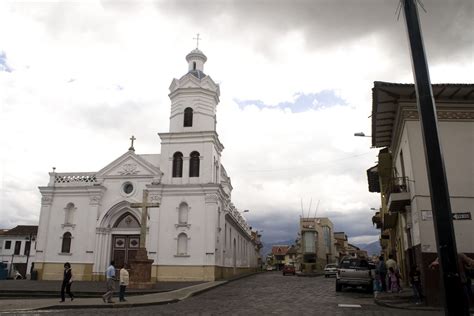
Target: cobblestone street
(262, 294)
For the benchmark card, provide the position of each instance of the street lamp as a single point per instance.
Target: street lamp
(245, 211)
(361, 134)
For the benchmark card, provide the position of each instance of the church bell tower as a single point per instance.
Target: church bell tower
(194, 98)
(191, 150)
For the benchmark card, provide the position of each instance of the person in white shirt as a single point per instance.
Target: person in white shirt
(124, 280)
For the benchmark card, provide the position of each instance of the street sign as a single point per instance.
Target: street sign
(462, 216)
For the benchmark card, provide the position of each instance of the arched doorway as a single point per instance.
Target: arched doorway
(125, 240)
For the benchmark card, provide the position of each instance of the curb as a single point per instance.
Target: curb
(103, 306)
(6, 295)
(421, 308)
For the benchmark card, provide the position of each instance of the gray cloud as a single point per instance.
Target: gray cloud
(284, 224)
(447, 25)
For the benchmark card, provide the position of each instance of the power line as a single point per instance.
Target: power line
(306, 165)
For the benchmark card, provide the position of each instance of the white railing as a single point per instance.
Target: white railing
(239, 218)
(75, 178)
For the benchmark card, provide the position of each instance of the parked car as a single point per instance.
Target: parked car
(270, 268)
(355, 272)
(289, 269)
(330, 269)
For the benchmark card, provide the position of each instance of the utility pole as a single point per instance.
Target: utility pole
(455, 301)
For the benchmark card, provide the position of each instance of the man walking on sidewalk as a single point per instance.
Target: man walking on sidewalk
(110, 274)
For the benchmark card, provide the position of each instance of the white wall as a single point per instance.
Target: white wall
(457, 139)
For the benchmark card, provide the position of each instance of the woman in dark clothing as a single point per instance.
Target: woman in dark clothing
(67, 281)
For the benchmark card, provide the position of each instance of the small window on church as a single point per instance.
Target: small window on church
(194, 65)
(188, 117)
(66, 244)
(69, 213)
(177, 165)
(183, 213)
(182, 244)
(127, 188)
(194, 165)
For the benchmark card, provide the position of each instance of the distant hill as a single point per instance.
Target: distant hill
(371, 248)
(267, 247)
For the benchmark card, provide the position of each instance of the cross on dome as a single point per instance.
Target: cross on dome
(197, 40)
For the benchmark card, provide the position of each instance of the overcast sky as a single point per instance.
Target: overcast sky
(78, 78)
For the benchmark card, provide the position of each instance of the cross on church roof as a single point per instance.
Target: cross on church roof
(131, 146)
(197, 40)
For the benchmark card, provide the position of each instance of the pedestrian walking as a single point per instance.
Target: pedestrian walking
(110, 275)
(67, 282)
(382, 268)
(377, 284)
(464, 265)
(124, 279)
(391, 263)
(393, 280)
(415, 280)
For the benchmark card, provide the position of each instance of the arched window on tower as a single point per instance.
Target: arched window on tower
(177, 165)
(183, 213)
(66, 244)
(182, 244)
(194, 165)
(188, 117)
(194, 65)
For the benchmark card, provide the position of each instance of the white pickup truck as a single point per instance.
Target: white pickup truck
(355, 272)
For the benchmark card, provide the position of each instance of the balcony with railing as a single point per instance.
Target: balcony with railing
(398, 194)
(73, 179)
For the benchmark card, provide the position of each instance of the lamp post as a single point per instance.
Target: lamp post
(361, 134)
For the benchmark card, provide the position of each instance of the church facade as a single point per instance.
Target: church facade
(195, 233)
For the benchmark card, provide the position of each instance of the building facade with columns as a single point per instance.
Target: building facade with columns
(195, 234)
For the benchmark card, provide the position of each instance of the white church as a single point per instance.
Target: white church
(195, 234)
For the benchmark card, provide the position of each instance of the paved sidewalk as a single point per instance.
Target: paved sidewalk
(404, 300)
(12, 305)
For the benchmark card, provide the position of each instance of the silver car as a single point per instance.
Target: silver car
(330, 270)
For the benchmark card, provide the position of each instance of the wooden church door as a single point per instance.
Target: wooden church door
(124, 248)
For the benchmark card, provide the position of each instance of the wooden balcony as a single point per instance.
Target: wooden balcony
(398, 195)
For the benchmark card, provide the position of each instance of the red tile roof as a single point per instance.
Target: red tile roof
(22, 230)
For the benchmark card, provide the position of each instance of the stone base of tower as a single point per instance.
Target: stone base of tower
(140, 273)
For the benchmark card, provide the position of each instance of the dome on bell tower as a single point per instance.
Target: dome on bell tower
(196, 60)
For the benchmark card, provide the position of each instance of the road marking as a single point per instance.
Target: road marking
(348, 305)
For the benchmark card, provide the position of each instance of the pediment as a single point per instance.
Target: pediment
(129, 165)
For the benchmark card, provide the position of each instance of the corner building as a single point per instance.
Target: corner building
(196, 234)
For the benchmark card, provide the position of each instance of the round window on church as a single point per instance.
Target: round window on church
(127, 188)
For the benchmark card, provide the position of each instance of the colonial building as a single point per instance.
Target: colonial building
(341, 245)
(405, 216)
(316, 246)
(17, 249)
(196, 233)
